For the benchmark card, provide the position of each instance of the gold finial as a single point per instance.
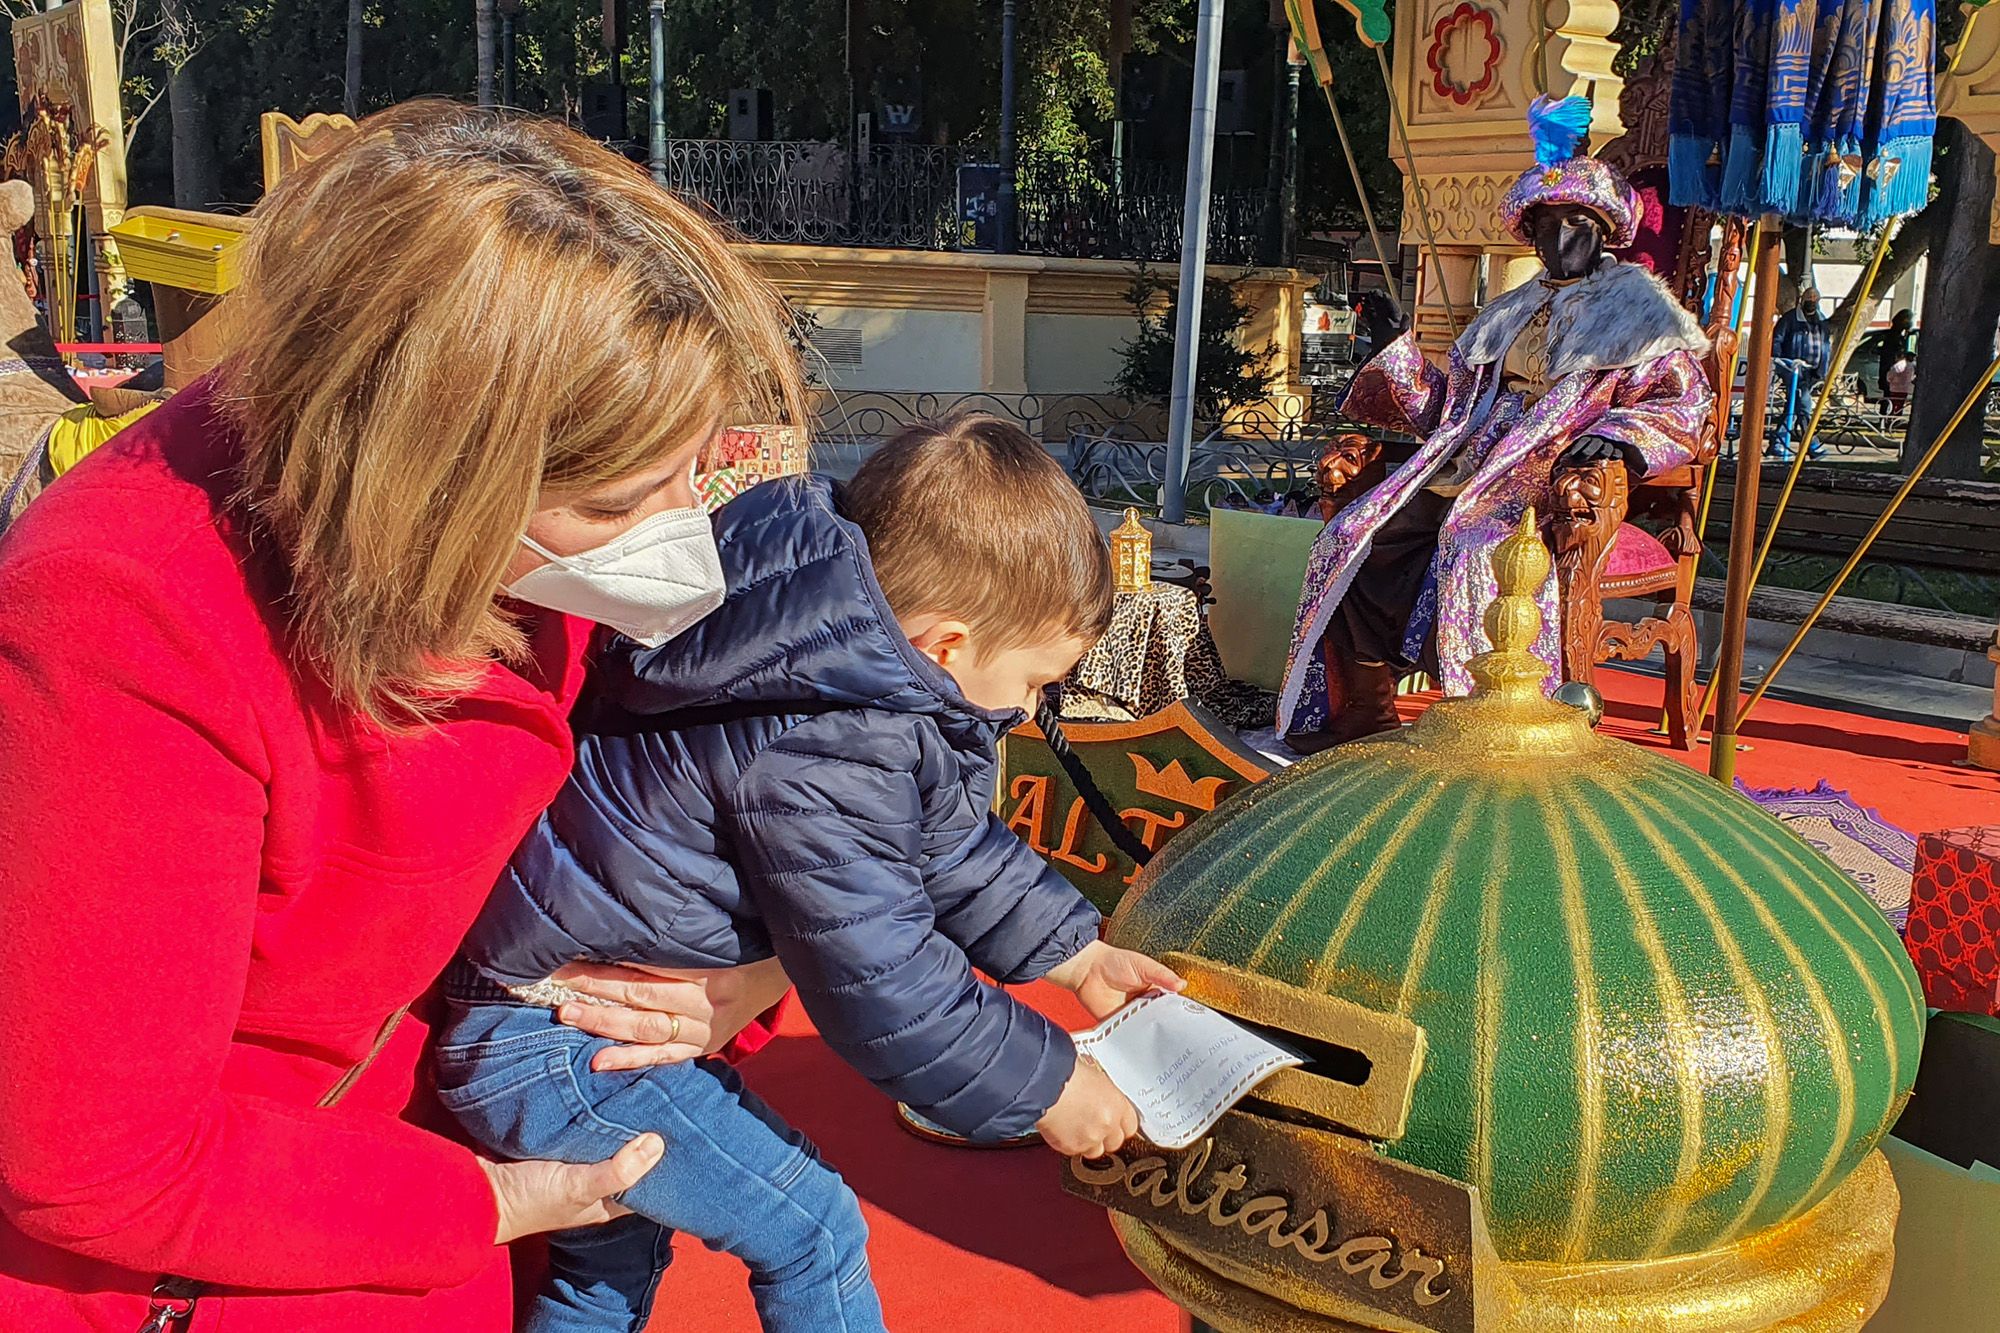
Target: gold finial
(1506, 713)
(1132, 555)
(1520, 567)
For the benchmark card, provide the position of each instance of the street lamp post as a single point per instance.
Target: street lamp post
(1009, 197)
(1194, 258)
(656, 90)
(1288, 199)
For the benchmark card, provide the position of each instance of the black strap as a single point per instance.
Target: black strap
(1086, 786)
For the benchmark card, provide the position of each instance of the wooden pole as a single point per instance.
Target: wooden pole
(1743, 522)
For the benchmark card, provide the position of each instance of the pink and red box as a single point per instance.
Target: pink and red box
(1953, 933)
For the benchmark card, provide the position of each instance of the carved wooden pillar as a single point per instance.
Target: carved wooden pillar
(1970, 94)
(1464, 73)
(1983, 745)
(69, 56)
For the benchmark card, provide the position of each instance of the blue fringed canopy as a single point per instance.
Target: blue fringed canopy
(1816, 110)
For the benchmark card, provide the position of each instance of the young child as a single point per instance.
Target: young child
(808, 772)
(1899, 379)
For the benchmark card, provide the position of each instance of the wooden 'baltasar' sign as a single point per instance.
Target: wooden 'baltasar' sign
(1161, 773)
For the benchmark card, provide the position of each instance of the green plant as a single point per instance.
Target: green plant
(1227, 373)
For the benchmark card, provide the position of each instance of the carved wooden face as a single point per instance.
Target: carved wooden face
(1341, 461)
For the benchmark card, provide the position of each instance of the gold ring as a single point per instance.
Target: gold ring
(674, 1032)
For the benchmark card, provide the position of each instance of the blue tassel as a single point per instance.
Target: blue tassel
(1823, 200)
(1740, 174)
(1691, 180)
(1910, 188)
(1557, 126)
(1784, 155)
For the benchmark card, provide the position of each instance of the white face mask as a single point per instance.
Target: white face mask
(649, 583)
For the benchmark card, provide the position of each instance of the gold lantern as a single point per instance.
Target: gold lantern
(1132, 554)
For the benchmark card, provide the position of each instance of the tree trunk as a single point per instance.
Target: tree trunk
(484, 27)
(1912, 243)
(197, 178)
(1961, 307)
(351, 103)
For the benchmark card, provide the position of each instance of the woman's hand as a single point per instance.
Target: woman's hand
(553, 1196)
(661, 1018)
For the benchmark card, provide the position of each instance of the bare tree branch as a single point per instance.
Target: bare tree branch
(1912, 243)
(133, 122)
(180, 40)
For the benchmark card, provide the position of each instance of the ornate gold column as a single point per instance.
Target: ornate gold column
(1969, 92)
(70, 56)
(1982, 748)
(1464, 73)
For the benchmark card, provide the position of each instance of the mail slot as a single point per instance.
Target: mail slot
(1361, 1066)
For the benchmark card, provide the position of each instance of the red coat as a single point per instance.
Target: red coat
(214, 886)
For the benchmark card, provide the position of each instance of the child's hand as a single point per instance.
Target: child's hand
(1106, 979)
(1091, 1118)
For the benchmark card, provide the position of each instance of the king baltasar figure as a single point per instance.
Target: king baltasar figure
(1592, 359)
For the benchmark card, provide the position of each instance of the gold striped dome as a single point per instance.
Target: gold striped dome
(1656, 1022)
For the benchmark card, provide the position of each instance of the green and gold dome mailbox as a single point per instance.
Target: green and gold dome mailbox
(1593, 1042)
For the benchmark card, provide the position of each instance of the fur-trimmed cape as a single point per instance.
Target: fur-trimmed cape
(1619, 316)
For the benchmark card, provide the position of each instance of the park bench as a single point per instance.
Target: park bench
(1945, 525)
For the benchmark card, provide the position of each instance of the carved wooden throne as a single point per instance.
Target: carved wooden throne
(1601, 550)
(1612, 535)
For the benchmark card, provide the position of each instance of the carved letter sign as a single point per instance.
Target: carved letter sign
(1160, 773)
(1310, 1217)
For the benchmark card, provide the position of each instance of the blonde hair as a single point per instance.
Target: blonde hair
(453, 312)
(970, 516)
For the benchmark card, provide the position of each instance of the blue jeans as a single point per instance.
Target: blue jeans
(735, 1175)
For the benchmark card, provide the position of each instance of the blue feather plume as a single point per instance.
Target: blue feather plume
(1557, 126)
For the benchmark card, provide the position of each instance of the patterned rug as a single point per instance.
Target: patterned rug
(1876, 854)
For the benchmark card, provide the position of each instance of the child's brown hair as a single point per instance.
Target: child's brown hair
(970, 516)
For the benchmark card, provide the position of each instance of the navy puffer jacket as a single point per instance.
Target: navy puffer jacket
(790, 776)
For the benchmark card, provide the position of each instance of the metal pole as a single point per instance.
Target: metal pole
(1194, 257)
(1288, 203)
(1009, 199)
(1850, 337)
(656, 90)
(1743, 522)
(1853, 561)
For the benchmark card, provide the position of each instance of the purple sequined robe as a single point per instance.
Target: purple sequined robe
(1623, 363)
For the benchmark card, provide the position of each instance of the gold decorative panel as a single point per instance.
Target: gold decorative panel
(290, 144)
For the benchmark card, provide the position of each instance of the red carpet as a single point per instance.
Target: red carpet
(986, 1242)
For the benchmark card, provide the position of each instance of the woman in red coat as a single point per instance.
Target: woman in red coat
(270, 726)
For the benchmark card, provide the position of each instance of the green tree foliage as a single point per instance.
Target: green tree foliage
(1227, 373)
(290, 55)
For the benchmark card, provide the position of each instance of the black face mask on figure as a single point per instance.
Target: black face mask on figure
(1569, 240)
